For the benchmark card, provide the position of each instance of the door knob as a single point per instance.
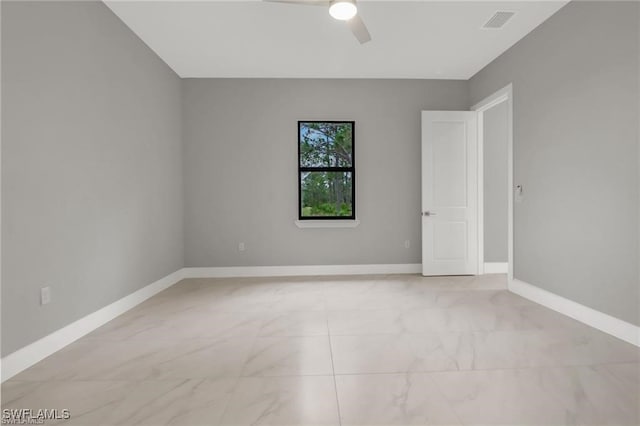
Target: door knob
(428, 213)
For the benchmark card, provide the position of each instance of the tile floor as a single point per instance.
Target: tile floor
(383, 350)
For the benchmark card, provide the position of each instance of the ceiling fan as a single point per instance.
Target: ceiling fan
(343, 10)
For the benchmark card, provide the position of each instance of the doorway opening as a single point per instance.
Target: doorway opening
(495, 183)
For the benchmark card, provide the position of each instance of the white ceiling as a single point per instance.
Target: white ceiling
(411, 39)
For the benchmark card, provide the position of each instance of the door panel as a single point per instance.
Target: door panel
(449, 240)
(449, 193)
(448, 152)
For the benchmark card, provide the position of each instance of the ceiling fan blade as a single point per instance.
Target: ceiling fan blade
(359, 29)
(302, 2)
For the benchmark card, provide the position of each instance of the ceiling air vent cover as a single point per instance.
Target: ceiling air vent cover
(498, 20)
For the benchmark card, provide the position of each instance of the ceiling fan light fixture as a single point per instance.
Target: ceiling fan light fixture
(343, 10)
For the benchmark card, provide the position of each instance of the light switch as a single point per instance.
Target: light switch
(519, 196)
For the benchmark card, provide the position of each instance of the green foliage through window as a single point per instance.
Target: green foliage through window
(326, 170)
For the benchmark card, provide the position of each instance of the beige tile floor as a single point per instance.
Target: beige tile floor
(385, 350)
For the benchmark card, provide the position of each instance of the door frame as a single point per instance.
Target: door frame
(503, 95)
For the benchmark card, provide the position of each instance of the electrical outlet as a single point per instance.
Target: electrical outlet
(407, 244)
(241, 247)
(45, 295)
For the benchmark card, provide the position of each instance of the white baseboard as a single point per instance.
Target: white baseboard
(496, 267)
(306, 270)
(27, 356)
(616, 327)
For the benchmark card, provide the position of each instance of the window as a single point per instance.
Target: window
(326, 172)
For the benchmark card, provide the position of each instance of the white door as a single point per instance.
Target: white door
(449, 193)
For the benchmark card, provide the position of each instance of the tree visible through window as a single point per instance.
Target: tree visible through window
(326, 170)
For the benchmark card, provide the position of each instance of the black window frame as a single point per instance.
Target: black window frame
(351, 169)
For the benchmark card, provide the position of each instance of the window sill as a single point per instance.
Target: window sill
(350, 223)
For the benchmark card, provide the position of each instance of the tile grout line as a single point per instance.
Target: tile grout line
(420, 372)
(479, 370)
(333, 367)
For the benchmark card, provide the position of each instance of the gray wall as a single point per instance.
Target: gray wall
(91, 165)
(575, 83)
(495, 128)
(240, 141)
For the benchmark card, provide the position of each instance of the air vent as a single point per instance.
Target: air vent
(498, 20)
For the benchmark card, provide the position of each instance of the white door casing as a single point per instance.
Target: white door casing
(449, 193)
(503, 95)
